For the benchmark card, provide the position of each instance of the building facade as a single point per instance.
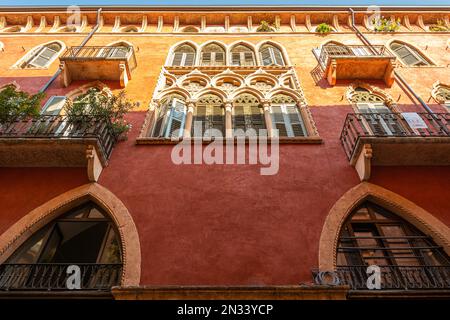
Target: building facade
(362, 119)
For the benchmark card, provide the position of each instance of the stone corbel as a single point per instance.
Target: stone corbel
(366, 23)
(277, 23)
(176, 24)
(293, 23)
(160, 24)
(100, 23)
(116, 26)
(308, 22)
(42, 24)
(336, 25)
(227, 23)
(389, 76)
(144, 24)
(94, 165)
(202, 23)
(56, 24)
(331, 74)
(84, 23)
(447, 22)
(2, 23)
(420, 23)
(123, 75)
(363, 163)
(249, 23)
(65, 75)
(407, 23)
(29, 24)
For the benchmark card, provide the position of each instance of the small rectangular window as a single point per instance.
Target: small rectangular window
(53, 106)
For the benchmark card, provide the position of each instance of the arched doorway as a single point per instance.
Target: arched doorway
(84, 237)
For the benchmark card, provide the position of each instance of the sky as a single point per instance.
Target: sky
(227, 2)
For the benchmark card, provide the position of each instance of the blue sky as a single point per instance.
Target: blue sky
(228, 2)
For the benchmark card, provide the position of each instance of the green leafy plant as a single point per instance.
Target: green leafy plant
(324, 28)
(386, 25)
(439, 26)
(101, 105)
(265, 26)
(18, 105)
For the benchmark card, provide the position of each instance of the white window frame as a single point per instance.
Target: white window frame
(183, 59)
(34, 53)
(170, 117)
(287, 120)
(272, 56)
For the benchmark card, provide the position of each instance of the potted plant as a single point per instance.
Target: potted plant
(324, 28)
(265, 26)
(439, 26)
(102, 105)
(386, 25)
(17, 105)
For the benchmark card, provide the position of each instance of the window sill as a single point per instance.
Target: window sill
(283, 140)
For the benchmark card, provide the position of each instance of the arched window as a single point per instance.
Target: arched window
(242, 55)
(443, 95)
(247, 113)
(286, 117)
(271, 55)
(377, 114)
(116, 50)
(170, 117)
(84, 237)
(208, 116)
(372, 235)
(41, 57)
(213, 55)
(409, 55)
(183, 55)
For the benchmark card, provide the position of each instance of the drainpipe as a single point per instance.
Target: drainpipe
(396, 73)
(83, 43)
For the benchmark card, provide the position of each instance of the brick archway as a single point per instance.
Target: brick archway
(18, 233)
(399, 205)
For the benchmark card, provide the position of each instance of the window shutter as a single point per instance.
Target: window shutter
(257, 118)
(278, 57)
(177, 118)
(295, 121)
(407, 56)
(219, 58)
(200, 116)
(119, 52)
(217, 118)
(266, 57)
(278, 121)
(53, 106)
(236, 58)
(43, 57)
(248, 58)
(206, 58)
(363, 107)
(177, 58)
(239, 117)
(189, 59)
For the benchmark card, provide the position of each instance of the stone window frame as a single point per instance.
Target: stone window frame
(435, 93)
(30, 54)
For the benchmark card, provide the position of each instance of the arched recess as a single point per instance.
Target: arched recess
(404, 208)
(18, 233)
(84, 89)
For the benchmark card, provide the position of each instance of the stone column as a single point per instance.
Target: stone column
(189, 116)
(228, 120)
(306, 117)
(267, 117)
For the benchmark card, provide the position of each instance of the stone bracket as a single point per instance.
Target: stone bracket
(363, 162)
(94, 165)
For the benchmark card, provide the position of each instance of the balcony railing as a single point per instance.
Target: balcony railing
(397, 277)
(48, 277)
(361, 125)
(63, 127)
(337, 51)
(101, 53)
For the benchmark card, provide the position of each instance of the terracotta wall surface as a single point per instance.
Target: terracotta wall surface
(227, 224)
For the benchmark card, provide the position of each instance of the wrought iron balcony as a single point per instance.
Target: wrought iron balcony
(98, 63)
(396, 139)
(53, 277)
(395, 277)
(356, 62)
(56, 141)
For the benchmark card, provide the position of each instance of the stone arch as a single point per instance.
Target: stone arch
(173, 90)
(243, 43)
(37, 48)
(213, 91)
(412, 46)
(247, 90)
(172, 49)
(18, 233)
(404, 208)
(288, 92)
(383, 95)
(205, 45)
(287, 61)
(438, 95)
(84, 88)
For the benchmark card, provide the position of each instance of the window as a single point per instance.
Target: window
(84, 236)
(171, 117)
(271, 55)
(53, 106)
(242, 56)
(183, 56)
(213, 55)
(286, 117)
(408, 55)
(41, 57)
(247, 114)
(118, 50)
(443, 95)
(372, 235)
(378, 117)
(208, 115)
